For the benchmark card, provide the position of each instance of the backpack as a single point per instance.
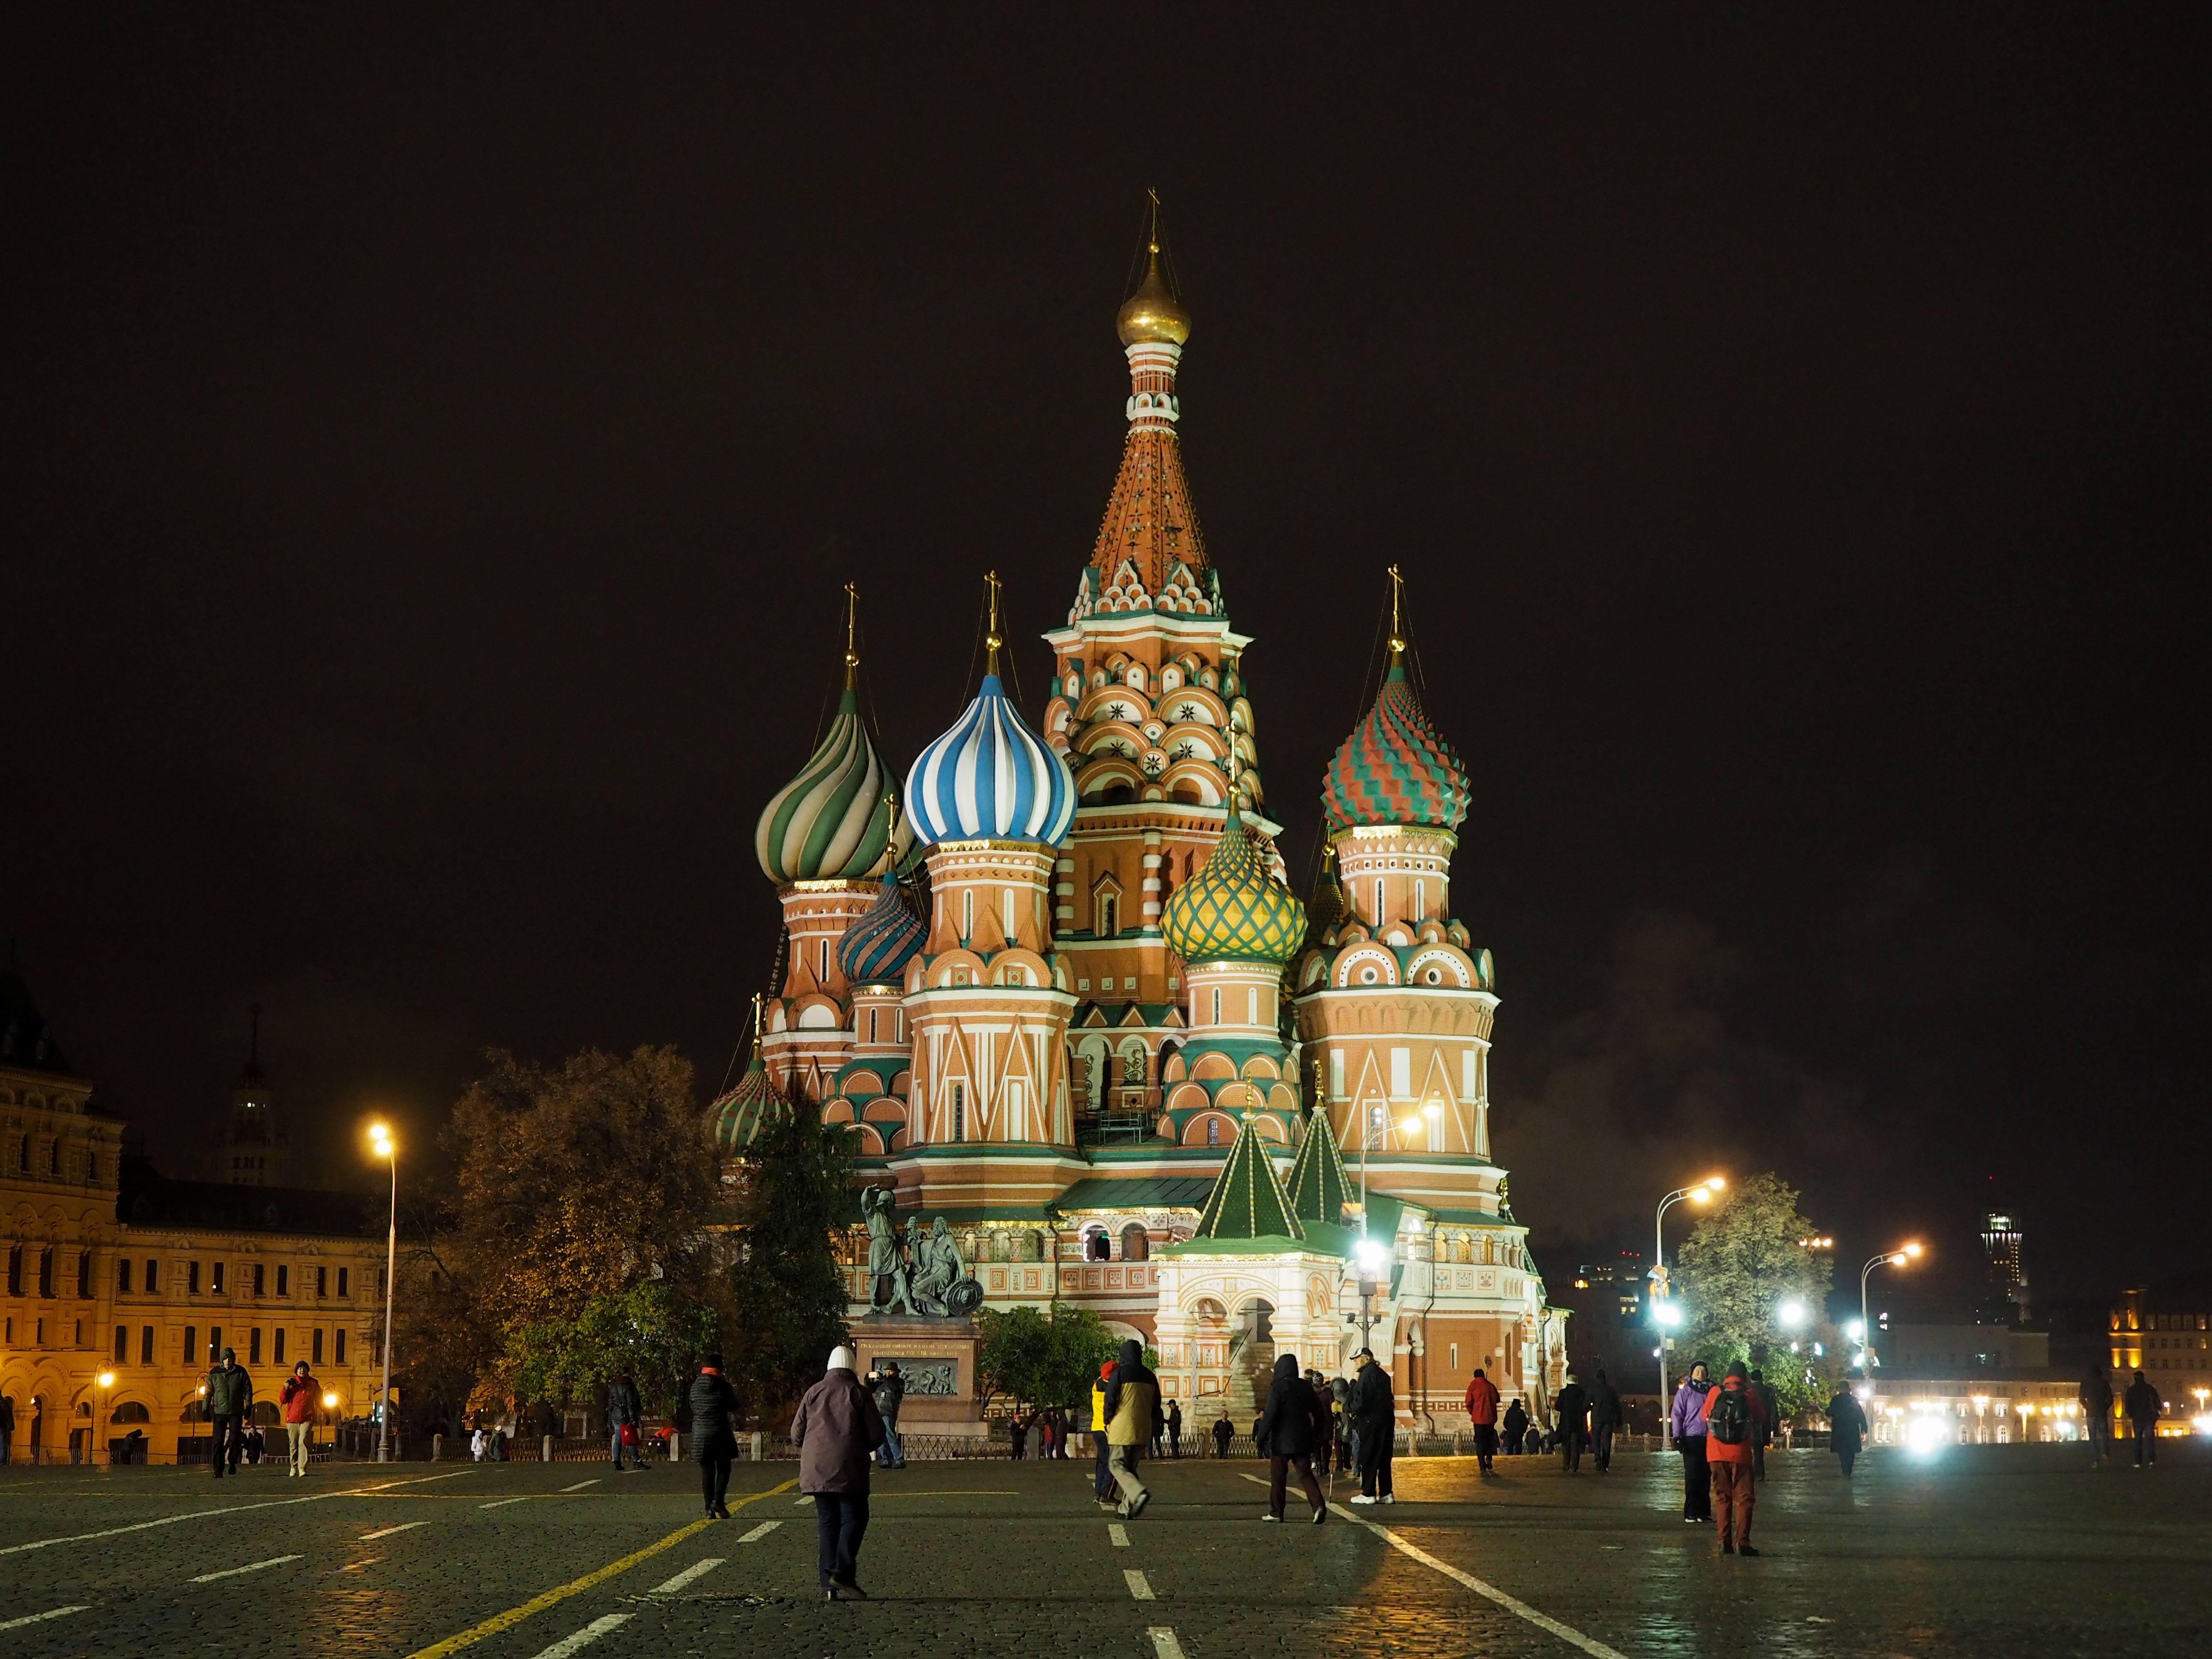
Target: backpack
(1729, 1421)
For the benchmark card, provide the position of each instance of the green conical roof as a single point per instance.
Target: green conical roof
(1247, 1200)
(740, 1114)
(1319, 1189)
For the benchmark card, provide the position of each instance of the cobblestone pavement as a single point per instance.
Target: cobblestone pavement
(2002, 1550)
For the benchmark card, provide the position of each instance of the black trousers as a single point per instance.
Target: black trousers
(841, 1519)
(1102, 1477)
(1570, 1451)
(1847, 1454)
(1376, 1446)
(1697, 1482)
(1601, 1445)
(1278, 1481)
(229, 1441)
(713, 1479)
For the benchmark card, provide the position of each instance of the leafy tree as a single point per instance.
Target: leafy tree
(1036, 1360)
(1736, 1270)
(785, 1294)
(648, 1330)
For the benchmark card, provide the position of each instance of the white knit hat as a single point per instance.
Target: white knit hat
(841, 1359)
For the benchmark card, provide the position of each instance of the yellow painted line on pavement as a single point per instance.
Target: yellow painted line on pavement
(513, 1616)
(230, 1509)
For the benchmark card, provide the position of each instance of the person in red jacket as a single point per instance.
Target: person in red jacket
(1482, 1411)
(1734, 1418)
(302, 1391)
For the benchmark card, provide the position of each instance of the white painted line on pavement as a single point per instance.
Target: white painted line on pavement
(37, 1618)
(584, 1638)
(233, 1508)
(697, 1570)
(387, 1532)
(253, 1566)
(760, 1532)
(1164, 1645)
(803, 1503)
(1119, 1534)
(580, 1485)
(1140, 1586)
(1519, 1609)
(502, 1503)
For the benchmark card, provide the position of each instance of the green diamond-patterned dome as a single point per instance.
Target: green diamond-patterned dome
(1234, 909)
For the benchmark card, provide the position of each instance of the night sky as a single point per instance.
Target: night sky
(434, 446)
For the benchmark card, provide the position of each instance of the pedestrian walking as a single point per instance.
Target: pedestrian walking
(1293, 1423)
(1102, 1481)
(624, 1408)
(1768, 1403)
(477, 1445)
(2144, 1408)
(1133, 1411)
(887, 1388)
(1482, 1416)
(1515, 1428)
(1375, 1423)
(2096, 1398)
(1734, 1415)
(1570, 1410)
(1688, 1422)
(1347, 1448)
(1847, 1428)
(1224, 1432)
(1325, 1452)
(229, 1401)
(1605, 1419)
(714, 1444)
(301, 1393)
(837, 1428)
(1175, 1428)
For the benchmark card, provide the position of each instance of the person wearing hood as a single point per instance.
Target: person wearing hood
(1847, 1428)
(837, 1428)
(713, 1402)
(1687, 1421)
(1735, 1418)
(1133, 1411)
(1293, 1424)
(1375, 1421)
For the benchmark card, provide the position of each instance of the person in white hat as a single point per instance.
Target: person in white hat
(837, 1428)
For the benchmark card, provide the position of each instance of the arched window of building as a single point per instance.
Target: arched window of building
(1213, 1132)
(1136, 1244)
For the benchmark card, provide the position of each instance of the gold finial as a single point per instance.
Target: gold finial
(852, 622)
(1152, 233)
(757, 1025)
(1153, 315)
(1397, 635)
(991, 641)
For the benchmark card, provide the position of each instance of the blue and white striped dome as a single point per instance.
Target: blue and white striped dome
(990, 778)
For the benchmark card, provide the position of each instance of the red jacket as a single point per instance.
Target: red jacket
(1482, 1403)
(1715, 1451)
(300, 1393)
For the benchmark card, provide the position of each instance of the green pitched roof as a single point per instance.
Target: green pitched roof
(1247, 1200)
(1318, 1189)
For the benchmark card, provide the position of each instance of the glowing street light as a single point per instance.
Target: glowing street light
(381, 1144)
(1700, 1193)
(1896, 1258)
(105, 1381)
(1791, 1315)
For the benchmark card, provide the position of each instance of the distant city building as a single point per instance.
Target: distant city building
(2165, 1331)
(2004, 1275)
(255, 1150)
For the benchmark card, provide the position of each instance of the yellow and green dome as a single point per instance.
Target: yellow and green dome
(1234, 909)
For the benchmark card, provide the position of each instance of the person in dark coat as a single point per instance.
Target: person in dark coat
(1292, 1425)
(1224, 1432)
(1017, 1431)
(1571, 1408)
(1375, 1422)
(1174, 1428)
(1605, 1419)
(1772, 1407)
(1515, 1428)
(1326, 1400)
(229, 1406)
(623, 1409)
(713, 1402)
(888, 1388)
(2144, 1408)
(837, 1430)
(1847, 1429)
(2096, 1398)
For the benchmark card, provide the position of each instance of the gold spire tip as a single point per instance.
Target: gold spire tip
(1397, 634)
(852, 625)
(991, 641)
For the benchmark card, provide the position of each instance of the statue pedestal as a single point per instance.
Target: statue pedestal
(937, 1356)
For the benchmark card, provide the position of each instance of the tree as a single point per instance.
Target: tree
(1036, 1360)
(1736, 1270)
(648, 1331)
(786, 1291)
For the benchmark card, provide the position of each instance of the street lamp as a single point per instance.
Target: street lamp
(1896, 1258)
(102, 1382)
(1791, 1315)
(1700, 1193)
(1370, 1256)
(381, 1144)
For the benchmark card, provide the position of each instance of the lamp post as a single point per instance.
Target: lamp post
(382, 1144)
(1700, 1193)
(101, 1383)
(1896, 1258)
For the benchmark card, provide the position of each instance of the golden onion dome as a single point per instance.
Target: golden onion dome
(1153, 315)
(1233, 909)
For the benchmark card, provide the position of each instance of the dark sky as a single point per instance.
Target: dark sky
(435, 445)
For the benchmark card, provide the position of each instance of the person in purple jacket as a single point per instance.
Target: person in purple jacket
(1689, 1428)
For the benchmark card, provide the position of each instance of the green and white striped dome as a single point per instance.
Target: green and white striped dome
(832, 822)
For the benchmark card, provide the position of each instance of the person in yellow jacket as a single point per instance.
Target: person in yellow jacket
(1132, 1407)
(1102, 1483)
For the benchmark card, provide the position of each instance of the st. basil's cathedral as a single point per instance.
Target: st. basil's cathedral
(1061, 991)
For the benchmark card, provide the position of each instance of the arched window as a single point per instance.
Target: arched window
(1136, 1242)
(1109, 916)
(1213, 1132)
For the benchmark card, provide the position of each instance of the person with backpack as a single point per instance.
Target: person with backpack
(1133, 1414)
(1482, 1414)
(1734, 1418)
(1687, 1421)
(2096, 1397)
(1605, 1419)
(1847, 1428)
(1769, 1403)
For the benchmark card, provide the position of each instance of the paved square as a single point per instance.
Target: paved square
(1997, 1551)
